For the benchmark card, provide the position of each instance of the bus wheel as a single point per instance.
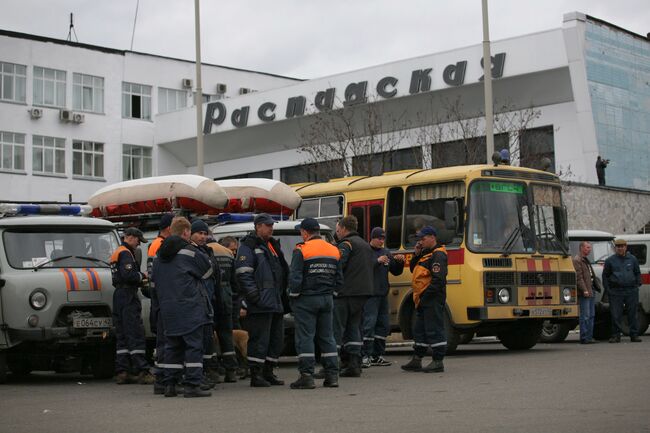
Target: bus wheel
(3, 367)
(466, 338)
(554, 332)
(20, 367)
(521, 335)
(453, 336)
(602, 328)
(642, 320)
(103, 365)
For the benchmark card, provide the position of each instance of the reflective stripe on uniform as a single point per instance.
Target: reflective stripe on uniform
(259, 251)
(122, 351)
(421, 344)
(368, 339)
(228, 354)
(306, 355)
(250, 358)
(268, 358)
(137, 351)
(193, 365)
(187, 252)
(444, 343)
(380, 337)
(208, 356)
(353, 343)
(207, 274)
(244, 269)
(329, 355)
(171, 366)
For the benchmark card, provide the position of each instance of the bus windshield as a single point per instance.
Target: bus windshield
(499, 217)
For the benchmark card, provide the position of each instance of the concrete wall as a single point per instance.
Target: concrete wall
(614, 210)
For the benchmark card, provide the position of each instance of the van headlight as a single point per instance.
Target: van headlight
(504, 295)
(566, 295)
(38, 299)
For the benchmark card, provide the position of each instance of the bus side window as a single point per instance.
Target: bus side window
(375, 218)
(394, 210)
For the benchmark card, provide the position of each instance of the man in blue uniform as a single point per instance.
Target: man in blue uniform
(622, 279)
(180, 271)
(262, 274)
(376, 321)
(127, 310)
(315, 275)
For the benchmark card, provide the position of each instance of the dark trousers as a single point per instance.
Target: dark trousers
(347, 324)
(617, 300)
(129, 332)
(209, 348)
(376, 326)
(158, 370)
(224, 326)
(184, 351)
(313, 317)
(429, 329)
(265, 338)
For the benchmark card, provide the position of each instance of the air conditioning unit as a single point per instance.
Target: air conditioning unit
(36, 113)
(65, 115)
(187, 83)
(78, 118)
(221, 88)
(244, 90)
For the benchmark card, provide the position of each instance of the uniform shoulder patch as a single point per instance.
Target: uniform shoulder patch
(128, 266)
(242, 258)
(435, 268)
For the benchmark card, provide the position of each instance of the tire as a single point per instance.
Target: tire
(3, 368)
(555, 332)
(521, 335)
(453, 336)
(289, 347)
(602, 329)
(643, 323)
(103, 365)
(20, 367)
(466, 337)
(641, 318)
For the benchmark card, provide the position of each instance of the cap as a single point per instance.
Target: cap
(132, 231)
(166, 221)
(309, 224)
(263, 218)
(377, 232)
(620, 242)
(426, 231)
(200, 226)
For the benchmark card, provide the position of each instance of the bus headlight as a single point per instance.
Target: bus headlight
(504, 295)
(566, 295)
(37, 300)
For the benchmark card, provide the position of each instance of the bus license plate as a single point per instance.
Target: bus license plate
(537, 312)
(92, 322)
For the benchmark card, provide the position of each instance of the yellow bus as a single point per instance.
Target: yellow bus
(505, 230)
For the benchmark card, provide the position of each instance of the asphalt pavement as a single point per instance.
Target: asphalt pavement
(564, 387)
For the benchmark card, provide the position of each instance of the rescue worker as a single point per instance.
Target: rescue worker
(376, 320)
(198, 238)
(315, 275)
(223, 312)
(262, 274)
(155, 324)
(181, 272)
(127, 310)
(429, 295)
(622, 279)
(357, 260)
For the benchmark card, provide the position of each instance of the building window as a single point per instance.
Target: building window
(265, 174)
(317, 172)
(49, 87)
(136, 162)
(87, 159)
(536, 144)
(48, 155)
(171, 100)
(392, 160)
(467, 151)
(87, 93)
(12, 151)
(12, 82)
(136, 101)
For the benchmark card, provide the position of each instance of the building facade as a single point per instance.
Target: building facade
(568, 94)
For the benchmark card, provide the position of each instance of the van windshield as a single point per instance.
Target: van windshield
(26, 249)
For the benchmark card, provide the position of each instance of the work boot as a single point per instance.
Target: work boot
(271, 378)
(415, 364)
(331, 381)
(206, 384)
(158, 388)
(257, 381)
(635, 339)
(123, 378)
(231, 376)
(615, 339)
(305, 381)
(212, 374)
(170, 391)
(353, 369)
(435, 366)
(195, 391)
(145, 378)
(320, 374)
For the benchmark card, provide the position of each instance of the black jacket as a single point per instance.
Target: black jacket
(357, 262)
(380, 271)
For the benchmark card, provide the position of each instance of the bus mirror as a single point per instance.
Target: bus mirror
(451, 215)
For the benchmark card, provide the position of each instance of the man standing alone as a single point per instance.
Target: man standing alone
(585, 281)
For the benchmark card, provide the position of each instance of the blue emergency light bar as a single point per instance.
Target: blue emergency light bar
(44, 209)
(231, 218)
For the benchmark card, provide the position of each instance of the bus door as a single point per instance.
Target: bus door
(369, 213)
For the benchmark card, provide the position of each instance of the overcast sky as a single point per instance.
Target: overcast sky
(304, 38)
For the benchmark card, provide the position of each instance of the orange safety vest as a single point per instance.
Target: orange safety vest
(422, 275)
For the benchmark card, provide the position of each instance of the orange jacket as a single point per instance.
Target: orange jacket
(430, 273)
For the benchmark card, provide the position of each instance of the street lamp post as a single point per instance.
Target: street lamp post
(199, 91)
(487, 85)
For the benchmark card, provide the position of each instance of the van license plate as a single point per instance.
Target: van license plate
(92, 322)
(537, 312)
